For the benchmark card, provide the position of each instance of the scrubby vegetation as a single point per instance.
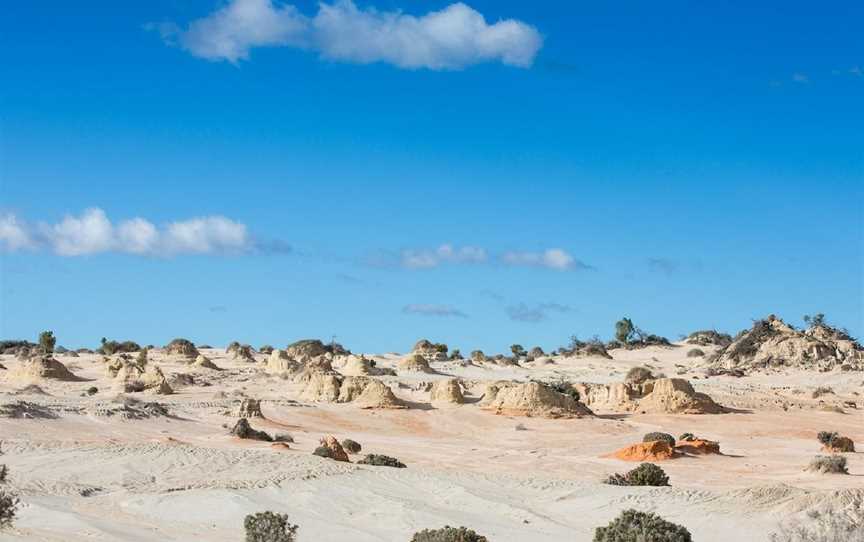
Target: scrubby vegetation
(562, 386)
(638, 375)
(651, 437)
(822, 527)
(687, 437)
(827, 437)
(47, 341)
(266, 349)
(382, 461)
(634, 526)
(646, 474)
(448, 534)
(114, 347)
(181, 346)
(8, 500)
(628, 334)
(707, 337)
(695, 353)
(269, 527)
(828, 464)
(351, 446)
(518, 350)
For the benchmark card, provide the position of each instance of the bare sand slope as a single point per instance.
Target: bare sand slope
(101, 468)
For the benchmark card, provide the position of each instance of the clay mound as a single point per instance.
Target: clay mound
(280, 364)
(771, 343)
(320, 386)
(182, 347)
(42, 368)
(839, 445)
(308, 349)
(205, 363)
(536, 399)
(414, 363)
(132, 378)
(491, 389)
(676, 396)
(376, 394)
(357, 366)
(656, 450)
(698, 447)
(447, 392)
(619, 397)
(352, 387)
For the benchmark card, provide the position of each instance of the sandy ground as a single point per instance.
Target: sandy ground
(85, 475)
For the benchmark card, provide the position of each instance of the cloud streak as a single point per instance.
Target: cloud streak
(445, 311)
(452, 38)
(92, 232)
(553, 258)
(523, 312)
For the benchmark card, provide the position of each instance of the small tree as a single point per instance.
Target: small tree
(269, 527)
(815, 320)
(448, 534)
(624, 330)
(518, 350)
(47, 341)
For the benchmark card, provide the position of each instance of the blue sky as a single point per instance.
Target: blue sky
(535, 173)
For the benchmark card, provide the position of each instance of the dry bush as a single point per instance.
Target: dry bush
(269, 527)
(448, 534)
(634, 526)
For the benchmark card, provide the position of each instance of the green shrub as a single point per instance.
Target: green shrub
(634, 526)
(47, 341)
(382, 461)
(92, 390)
(651, 437)
(828, 464)
(448, 534)
(638, 375)
(686, 437)
(351, 446)
(266, 349)
(827, 437)
(113, 347)
(269, 527)
(646, 474)
(518, 350)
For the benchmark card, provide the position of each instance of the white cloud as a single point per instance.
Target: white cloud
(452, 38)
(427, 258)
(553, 258)
(800, 78)
(14, 234)
(229, 33)
(433, 310)
(93, 233)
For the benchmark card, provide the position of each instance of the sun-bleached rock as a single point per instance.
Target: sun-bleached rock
(376, 394)
(205, 363)
(414, 363)
(676, 396)
(40, 368)
(447, 392)
(320, 386)
(536, 399)
(352, 387)
(279, 363)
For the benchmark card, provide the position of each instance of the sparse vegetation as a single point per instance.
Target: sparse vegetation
(707, 337)
(695, 353)
(269, 527)
(821, 527)
(624, 330)
(634, 526)
(518, 350)
(638, 375)
(181, 346)
(351, 446)
(654, 436)
(92, 390)
(646, 474)
(448, 534)
(687, 437)
(478, 355)
(566, 388)
(382, 461)
(266, 349)
(827, 437)
(8, 500)
(113, 347)
(47, 341)
(828, 464)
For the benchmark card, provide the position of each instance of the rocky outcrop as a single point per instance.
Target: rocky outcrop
(429, 350)
(839, 445)
(205, 363)
(376, 394)
(330, 447)
(320, 386)
(43, 367)
(279, 363)
(536, 399)
(655, 450)
(416, 363)
(773, 344)
(249, 408)
(698, 447)
(446, 392)
(352, 387)
(661, 396)
(182, 347)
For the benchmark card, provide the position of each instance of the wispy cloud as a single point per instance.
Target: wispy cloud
(434, 310)
(801, 78)
(553, 258)
(444, 254)
(523, 312)
(452, 38)
(664, 265)
(92, 232)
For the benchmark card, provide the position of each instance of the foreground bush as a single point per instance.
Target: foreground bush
(269, 527)
(828, 464)
(651, 437)
(47, 341)
(448, 534)
(634, 526)
(382, 461)
(646, 474)
(351, 446)
(830, 527)
(8, 501)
